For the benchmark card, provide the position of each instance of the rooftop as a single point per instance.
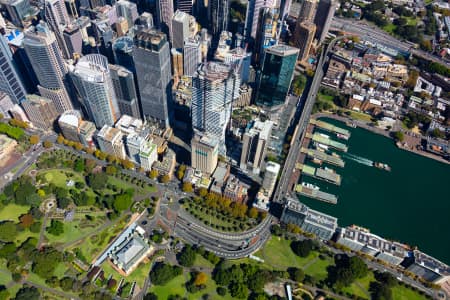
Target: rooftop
(282, 50)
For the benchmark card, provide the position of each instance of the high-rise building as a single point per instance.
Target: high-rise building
(121, 26)
(73, 39)
(40, 111)
(86, 133)
(219, 10)
(19, 11)
(128, 10)
(110, 140)
(152, 61)
(307, 11)
(215, 85)
(191, 57)
(254, 145)
(69, 123)
(270, 176)
(180, 29)
(266, 35)
(57, 18)
(164, 12)
(48, 65)
(253, 15)
(323, 18)
(146, 20)
(184, 6)
(177, 62)
(92, 79)
(134, 143)
(123, 83)
(123, 52)
(239, 56)
(204, 153)
(304, 35)
(276, 75)
(10, 82)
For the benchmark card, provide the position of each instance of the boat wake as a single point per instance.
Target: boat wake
(359, 159)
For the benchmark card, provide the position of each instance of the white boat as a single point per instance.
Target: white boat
(342, 136)
(324, 135)
(310, 186)
(325, 147)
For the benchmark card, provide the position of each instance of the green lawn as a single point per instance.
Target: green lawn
(390, 28)
(360, 116)
(58, 177)
(73, 231)
(175, 286)
(121, 184)
(60, 270)
(323, 97)
(139, 275)
(318, 269)
(5, 277)
(361, 286)
(24, 235)
(201, 262)
(13, 212)
(403, 293)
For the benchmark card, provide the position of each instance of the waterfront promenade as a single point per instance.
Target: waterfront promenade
(379, 131)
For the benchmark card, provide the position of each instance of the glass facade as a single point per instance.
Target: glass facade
(275, 77)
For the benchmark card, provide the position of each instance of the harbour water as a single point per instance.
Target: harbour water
(410, 204)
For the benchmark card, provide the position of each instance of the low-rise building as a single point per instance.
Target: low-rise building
(148, 155)
(166, 166)
(40, 111)
(270, 176)
(110, 140)
(236, 190)
(204, 153)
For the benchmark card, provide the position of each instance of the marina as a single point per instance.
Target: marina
(307, 190)
(325, 174)
(331, 128)
(325, 140)
(330, 159)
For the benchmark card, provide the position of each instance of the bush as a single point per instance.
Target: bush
(222, 291)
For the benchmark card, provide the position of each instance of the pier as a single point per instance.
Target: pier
(319, 173)
(331, 159)
(316, 194)
(330, 127)
(327, 141)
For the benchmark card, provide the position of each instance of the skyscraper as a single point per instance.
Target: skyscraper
(73, 39)
(323, 18)
(123, 82)
(253, 15)
(267, 34)
(123, 52)
(19, 11)
(92, 80)
(69, 123)
(57, 18)
(254, 145)
(185, 6)
(304, 35)
(191, 56)
(180, 29)
(48, 65)
(214, 87)
(164, 12)
(10, 82)
(276, 75)
(152, 61)
(128, 10)
(307, 11)
(177, 63)
(204, 153)
(219, 10)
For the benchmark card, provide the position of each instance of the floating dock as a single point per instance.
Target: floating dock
(331, 159)
(315, 194)
(327, 141)
(330, 127)
(319, 173)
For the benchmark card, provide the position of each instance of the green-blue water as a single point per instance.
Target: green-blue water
(410, 204)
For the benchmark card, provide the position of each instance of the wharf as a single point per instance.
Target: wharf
(330, 127)
(327, 141)
(315, 194)
(319, 173)
(334, 160)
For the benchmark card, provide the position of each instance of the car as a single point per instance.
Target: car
(144, 222)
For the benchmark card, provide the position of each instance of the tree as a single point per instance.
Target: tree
(63, 202)
(34, 139)
(97, 181)
(296, 274)
(164, 178)
(163, 273)
(187, 187)
(111, 170)
(45, 261)
(60, 139)
(47, 144)
(153, 174)
(200, 279)
(127, 164)
(4, 294)
(8, 250)
(151, 296)
(253, 213)
(399, 136)
(302, 248)
(56, 228)
(380, 291)
(239, 290)
(27, 293)
(202, 192)
(187, 256)
(122, 202)
(26, 220)
(79, 165)
(221, 291)
(8, 231)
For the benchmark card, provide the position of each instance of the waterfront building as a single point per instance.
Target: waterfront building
(110, 140)
(214, 87)
(180, 29)
(323, 18)
(123, 52)
(10, 82)
(253, 15)
(152, 61)
(148, 154)
(321, 225)
(69, 123)
(191, 57)
(254, 145)
(125, 90)
(204, 153)
(127, 10)
(276, 75)
(303, 38)
(270, 176)
(40, 111)
(48, 65)
(93, 82)
(5, 104)
(164, 13)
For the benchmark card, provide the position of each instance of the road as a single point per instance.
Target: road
(374, 34)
